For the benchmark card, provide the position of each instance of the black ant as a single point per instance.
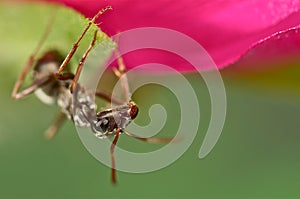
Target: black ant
(52, 81)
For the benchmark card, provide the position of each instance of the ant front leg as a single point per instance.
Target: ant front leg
(113, 162)
(120, 72)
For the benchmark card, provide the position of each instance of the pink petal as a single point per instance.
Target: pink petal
(226, 29)
(265, 52)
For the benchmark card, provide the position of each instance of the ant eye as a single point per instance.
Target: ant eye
(134, 111)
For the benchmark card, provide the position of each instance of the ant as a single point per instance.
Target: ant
(52, 81)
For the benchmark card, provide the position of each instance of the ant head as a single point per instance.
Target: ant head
(133, 109)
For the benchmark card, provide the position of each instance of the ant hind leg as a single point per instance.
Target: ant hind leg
(76, 44)
(82, 61)
(16, 94)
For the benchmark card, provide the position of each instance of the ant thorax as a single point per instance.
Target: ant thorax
(81, 108)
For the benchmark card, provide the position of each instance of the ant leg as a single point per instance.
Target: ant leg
(39, 83)
(33, 87)
(108, 97)
(75, 45)
(100, 94)
(52, 130)
(151, 140)
(113, 163)
(120, 72)
(82, 61)
(15, 93)
(66, 76)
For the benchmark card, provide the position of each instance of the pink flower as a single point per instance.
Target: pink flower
(230, 31)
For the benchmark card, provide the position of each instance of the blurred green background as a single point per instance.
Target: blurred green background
(257, 155)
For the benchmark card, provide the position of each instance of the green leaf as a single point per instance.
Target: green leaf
(23, 24)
